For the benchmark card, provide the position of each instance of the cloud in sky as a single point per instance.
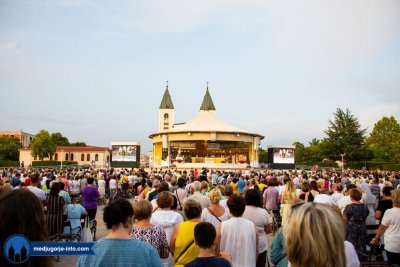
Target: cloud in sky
(335, 31)
(280, 68)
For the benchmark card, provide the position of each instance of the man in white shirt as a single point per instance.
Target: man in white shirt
(338, 193)
(35, 182)
(324, 199)
(205, 202)
(344, 201)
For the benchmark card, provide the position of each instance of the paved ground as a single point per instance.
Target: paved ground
(67, 261)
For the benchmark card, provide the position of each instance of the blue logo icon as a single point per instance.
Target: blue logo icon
(17, 249)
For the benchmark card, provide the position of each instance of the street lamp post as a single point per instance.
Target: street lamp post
(343, 161)
(61, 157)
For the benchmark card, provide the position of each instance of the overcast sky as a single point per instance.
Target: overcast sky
(96, 70)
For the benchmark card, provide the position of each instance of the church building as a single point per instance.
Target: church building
(205, 141)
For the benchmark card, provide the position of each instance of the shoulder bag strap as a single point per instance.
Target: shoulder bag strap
(177, 196)
(213, 214)
(184, 251)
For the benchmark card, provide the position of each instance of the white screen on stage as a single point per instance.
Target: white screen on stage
(123, 153)
(284, 155)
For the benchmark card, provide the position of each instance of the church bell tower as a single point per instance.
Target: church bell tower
(166, 113)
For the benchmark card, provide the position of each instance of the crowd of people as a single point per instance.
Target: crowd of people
(207, 217)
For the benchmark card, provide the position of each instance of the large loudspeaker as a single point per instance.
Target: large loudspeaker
(165, 141)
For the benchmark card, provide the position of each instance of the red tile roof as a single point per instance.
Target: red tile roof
(77, 148)
(81, 148)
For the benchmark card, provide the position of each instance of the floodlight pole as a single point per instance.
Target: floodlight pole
(343, 162)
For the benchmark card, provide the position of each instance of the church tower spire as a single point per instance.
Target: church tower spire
(166, 102)
(166, 114)
(207, 104)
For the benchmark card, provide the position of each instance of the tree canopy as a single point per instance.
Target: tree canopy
(311, 153)
(384, 140)
(43, 145)
(78, 144)
(59, 140)
(344, 136)
(9, 148)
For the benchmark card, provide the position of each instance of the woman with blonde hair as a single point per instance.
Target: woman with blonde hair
(215, 213)
(288, 198)
(315, 237)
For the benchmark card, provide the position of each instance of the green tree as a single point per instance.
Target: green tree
(314, 150)
(384, 140)
(42, 145)
(78, 144)
(59, 140)
(299, 150)
(344, 136)
(263, 156)
(9, 148)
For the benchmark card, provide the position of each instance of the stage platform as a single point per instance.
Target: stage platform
(211, 166)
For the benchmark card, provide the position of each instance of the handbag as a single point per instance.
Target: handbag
(87, 233)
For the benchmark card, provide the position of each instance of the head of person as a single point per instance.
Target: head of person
(317, 230)
(142, 210)
(156, 183)
(4, 187)
(55, 189)
(192, 209)
(181, 182)
(164, 186)
(204, 186)
(35, 179)
(396, 198)
(61, 185)
(196, 186)
(339, 187)
(320, 185)
(236, 205)
(313, 185)
(90, 180)
(173, 182)
(77, 200)
(215, 196)
(355, 194)
(290, 186)
(22, 206)
(387, 191)
(228, 191)
(349, 187)
(286, 178)
(204, 235)
(252, 198)
(174, 203)
(118, 213)
(221, 188)
(165, 200)
(305, 187)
